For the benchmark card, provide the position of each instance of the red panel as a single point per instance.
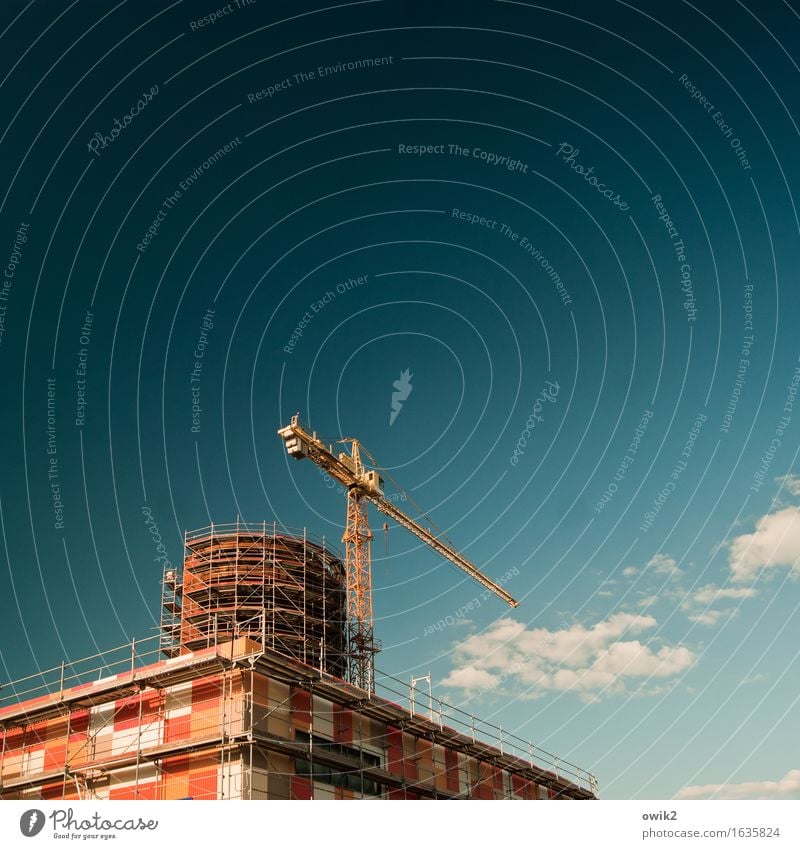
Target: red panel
(451, 764)
(498, 780)
(78, 724)
(54, 791)
(175, 766)
(343, 724)
(522, 788)
(301, 707)
(127, 711)
(205, 693)
(177, 727)
(484, 789)
(394, 750)
(19, 738)
(397, 794)
(410, 769)
(301, 788)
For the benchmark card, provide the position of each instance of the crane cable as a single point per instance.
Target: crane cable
(440, 534)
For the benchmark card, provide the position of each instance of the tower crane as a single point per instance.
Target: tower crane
(365, 485)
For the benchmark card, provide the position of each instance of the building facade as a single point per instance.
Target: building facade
(237, 721)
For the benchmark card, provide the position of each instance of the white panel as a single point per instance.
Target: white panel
(32, 762)
(229, 780)
(101, 716)
(179, 698)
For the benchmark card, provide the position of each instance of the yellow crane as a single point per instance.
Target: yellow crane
(366, 485)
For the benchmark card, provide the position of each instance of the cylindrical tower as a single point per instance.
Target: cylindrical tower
(259, 581)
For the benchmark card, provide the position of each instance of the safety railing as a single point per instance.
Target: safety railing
(423, 703)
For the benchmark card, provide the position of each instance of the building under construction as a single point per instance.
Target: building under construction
(243, 695)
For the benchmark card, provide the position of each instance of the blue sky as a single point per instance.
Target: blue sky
(575, 230)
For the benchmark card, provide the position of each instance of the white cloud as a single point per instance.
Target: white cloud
(590, 662)
(787, 787)
(710, 592)
(697, 606)
(629, 572)
(709, 617)
(647, 601)
(468, 677)
(774, 543)
(791, 482)
(662, 564)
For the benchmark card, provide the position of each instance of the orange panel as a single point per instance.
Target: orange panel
(147, 790)
(175, 778)
(204, 723)
(203, 784)
(54, 756)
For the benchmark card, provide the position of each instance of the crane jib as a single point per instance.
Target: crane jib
(389, 509)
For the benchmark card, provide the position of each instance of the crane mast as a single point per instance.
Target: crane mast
(364, 486)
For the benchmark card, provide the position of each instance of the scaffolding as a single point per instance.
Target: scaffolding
(260, 581)
(238, 721)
